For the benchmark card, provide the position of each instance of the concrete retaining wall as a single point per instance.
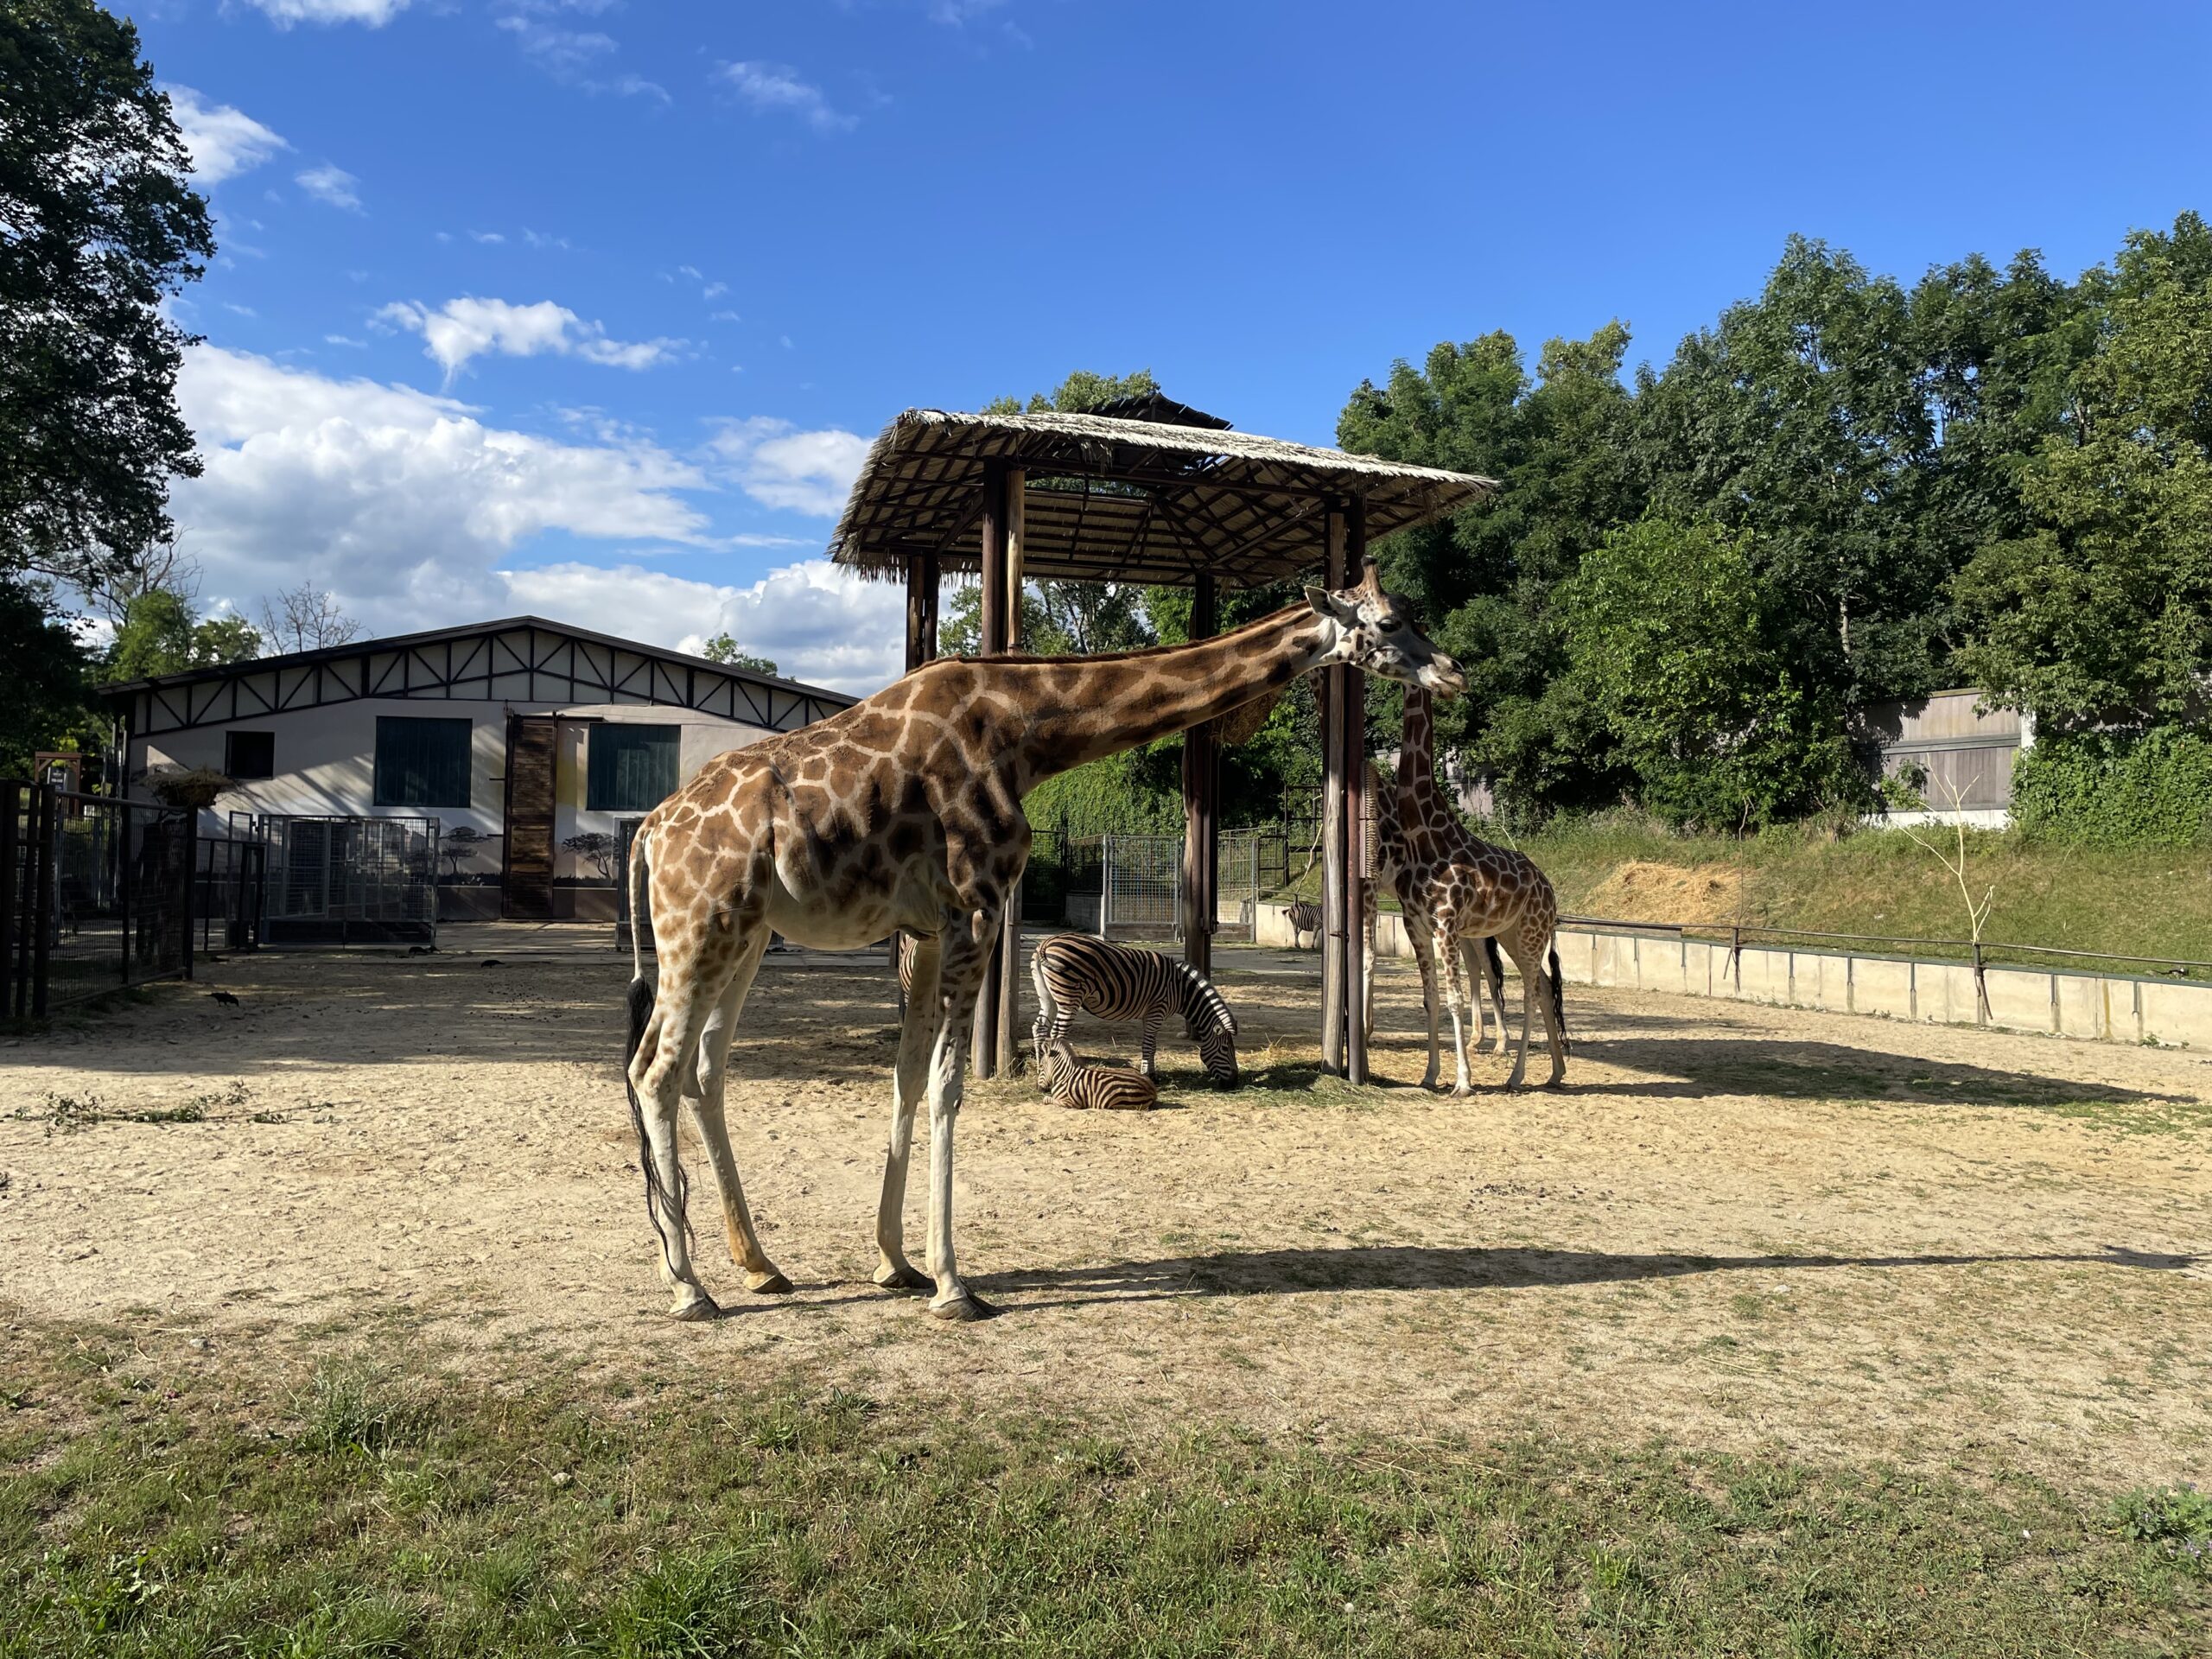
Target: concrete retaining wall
(2105, 1008)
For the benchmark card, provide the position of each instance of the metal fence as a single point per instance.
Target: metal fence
(1131, 887)
(95, 894)
(348, 881)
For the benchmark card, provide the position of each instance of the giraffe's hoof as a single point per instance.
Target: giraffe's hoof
(695, 1307)
(770, 1284)
(1462, 1091)
(902, 1278)
(965, 1309)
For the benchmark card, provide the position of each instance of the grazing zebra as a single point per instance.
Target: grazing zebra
(1094, 1087)
(1074, 973)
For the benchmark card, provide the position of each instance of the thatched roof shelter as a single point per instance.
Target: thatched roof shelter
(1165, 499)
(1154, 491)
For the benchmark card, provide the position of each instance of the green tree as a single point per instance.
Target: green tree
(2100, 615)
(160, 634)
(724, 648)
(48, 671)
(1560, 445)
(99, 226)
(1682, 652)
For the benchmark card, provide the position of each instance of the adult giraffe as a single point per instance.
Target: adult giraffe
(1457, 889)
(905, 812)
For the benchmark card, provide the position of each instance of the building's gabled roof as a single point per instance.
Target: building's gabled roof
(1136, 500)
(517, 660)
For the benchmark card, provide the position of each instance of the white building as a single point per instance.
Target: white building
(516, 736)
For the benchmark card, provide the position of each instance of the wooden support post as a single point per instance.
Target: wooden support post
(1009, 965)
(1336, 928)
(983, 1039)
(1201, 797)
(1354, 768)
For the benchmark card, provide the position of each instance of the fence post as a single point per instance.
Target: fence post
(1981, 987)
(191, 881)
(46, 823)
(9, 807)
(1105, 883)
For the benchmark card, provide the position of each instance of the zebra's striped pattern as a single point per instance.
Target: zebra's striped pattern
(1094, 1087)
(1076, 974)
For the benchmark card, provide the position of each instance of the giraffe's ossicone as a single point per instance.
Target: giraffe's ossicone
(904, 812)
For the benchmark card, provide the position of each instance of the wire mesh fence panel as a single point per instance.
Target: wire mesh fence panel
(96, 895)
(1236, 886)
(349, 880)
(1141, 885)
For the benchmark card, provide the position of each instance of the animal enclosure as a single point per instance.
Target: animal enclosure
(1740, 1226)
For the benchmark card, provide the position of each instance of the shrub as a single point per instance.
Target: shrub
(2105, 791)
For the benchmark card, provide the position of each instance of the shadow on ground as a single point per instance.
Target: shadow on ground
(1392, 1266)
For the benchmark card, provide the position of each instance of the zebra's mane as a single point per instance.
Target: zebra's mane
(1199, 998)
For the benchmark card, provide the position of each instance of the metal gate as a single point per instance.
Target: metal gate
(346, 880)
(95, 894)
(1131, 887)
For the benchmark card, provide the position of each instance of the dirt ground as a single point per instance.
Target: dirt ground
(1738, 1227)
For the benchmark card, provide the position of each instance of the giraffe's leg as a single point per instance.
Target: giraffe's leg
(1455, 996)
(760, 1274)
(1370, 920)
(1494, 976)
(1536, 990)
(1424, 950)
(960, 978)
(658, 1072)
(918, 1031)
(1546, 1000)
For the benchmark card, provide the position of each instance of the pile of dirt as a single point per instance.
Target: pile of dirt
(1643, 890)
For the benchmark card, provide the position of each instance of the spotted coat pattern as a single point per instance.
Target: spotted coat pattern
(1457, 888)
(903, 813)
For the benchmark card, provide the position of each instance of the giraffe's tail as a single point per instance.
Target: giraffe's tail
(1558, 998)
(639, 998)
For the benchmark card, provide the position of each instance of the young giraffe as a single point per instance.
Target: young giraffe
(904, 812)
(1458, 889)
(1478, 959)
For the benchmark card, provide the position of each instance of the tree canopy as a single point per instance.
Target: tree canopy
(99, 226)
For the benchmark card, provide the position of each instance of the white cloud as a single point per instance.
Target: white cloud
(540, 239)
(373, 13)
(224, 142)
(724, 316)
(775, 88)
(342, 340)
(781, 467)
(816, 621)
(400, 502)
(469, 327)
(332, 184)
(574, 57)
(492, 237)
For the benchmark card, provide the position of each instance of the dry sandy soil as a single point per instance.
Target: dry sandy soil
(1738, 1227)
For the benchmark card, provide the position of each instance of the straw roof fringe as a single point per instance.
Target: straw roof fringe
(1130, 500)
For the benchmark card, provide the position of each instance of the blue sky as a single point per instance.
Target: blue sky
(588, 308)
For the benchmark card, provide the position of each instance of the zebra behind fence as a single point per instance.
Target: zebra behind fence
(1094, 1087)
(1074, 973)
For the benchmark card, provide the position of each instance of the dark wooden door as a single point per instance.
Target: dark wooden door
(529, 873)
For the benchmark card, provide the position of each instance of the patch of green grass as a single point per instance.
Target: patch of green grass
(177, 1511)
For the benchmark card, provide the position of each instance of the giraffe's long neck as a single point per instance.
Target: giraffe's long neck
(1417, 744)
(1079, 709)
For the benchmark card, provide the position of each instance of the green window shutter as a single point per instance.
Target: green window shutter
(632, 768)
(422, 762)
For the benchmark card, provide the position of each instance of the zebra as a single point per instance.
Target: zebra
(1074, 973)
(1094, 1087)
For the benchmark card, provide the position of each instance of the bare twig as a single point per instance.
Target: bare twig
(1955, 861)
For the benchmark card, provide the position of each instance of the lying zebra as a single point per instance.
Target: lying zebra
(1074, 973)
(1094, 1087)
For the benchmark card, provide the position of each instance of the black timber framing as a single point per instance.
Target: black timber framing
(524, 659)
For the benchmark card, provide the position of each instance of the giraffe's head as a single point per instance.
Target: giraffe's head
(1376, 631)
